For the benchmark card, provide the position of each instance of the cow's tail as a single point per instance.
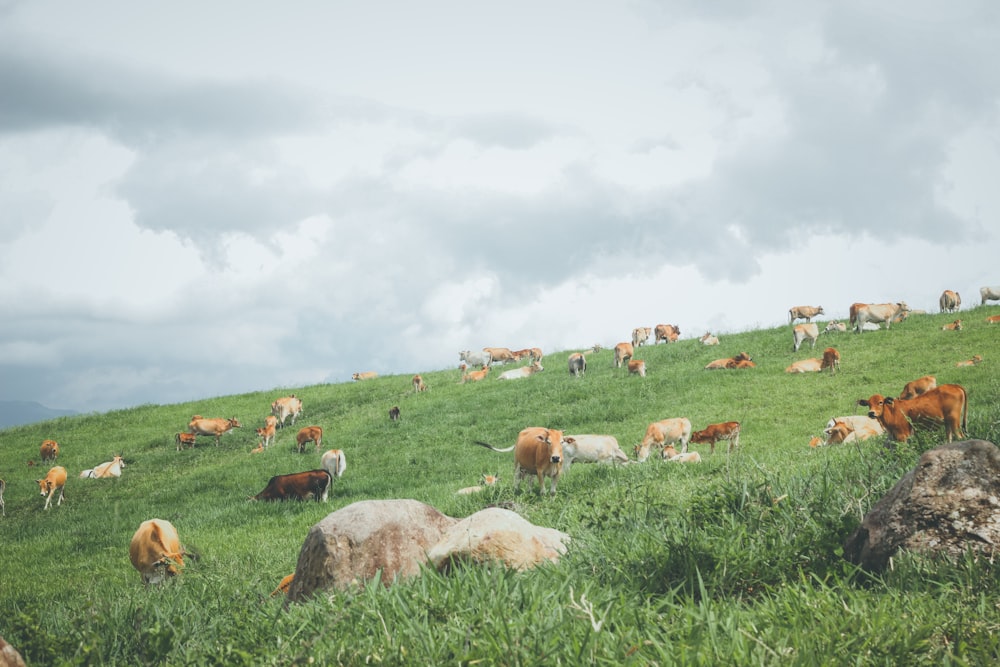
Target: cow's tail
(489, 446)
(965, 411)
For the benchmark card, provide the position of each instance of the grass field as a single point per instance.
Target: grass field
(733, 561)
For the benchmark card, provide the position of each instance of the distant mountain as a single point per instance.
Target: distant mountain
(16, 413)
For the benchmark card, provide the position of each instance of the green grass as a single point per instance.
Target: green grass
(734, 561)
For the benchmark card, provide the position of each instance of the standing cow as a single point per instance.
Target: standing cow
(668, 333)
(950, 301)
(623, 352)
(989, 294)
(803, 313)
(865, 313)
(49, 451)
(802, 332)
(577, 364)
(538, 451)
(54, 480)
(285, 407)
(155, 551)
(640, 336)
(662, 433)
(946, 403)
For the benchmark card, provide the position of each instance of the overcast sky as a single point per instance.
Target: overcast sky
(206, 198)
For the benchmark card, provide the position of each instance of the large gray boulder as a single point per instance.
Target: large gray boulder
(496, 535)
(948, 504)
(350, 546)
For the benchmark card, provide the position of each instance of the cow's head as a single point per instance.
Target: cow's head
(554, 442)
(234, 423)
(45, 485)
(876, 405)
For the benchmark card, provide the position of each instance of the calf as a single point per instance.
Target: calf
(671, 454)
(475, 376)
(314, 484)
(155, 551)
(185, 439)
(49, 450)
(953, 326)
(418, 384)
(802, 332)
(662, 433)
(637, 367)
(831, 360)
(487, 480)
(538, 451)
(267, 434)
(309, 434)
(919, 386)
(54, 480)
(577, 364)
(976, 358)
(946, 403)
(712, 433)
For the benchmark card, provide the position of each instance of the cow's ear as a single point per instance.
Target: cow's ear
(863, 401)
(570, 440)
(889, 400)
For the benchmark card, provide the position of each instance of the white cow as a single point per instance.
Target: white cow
(334, 462)
(522, 372)
(640, 335)
(112, 468)
(802, 332)
(590, 448)
(851, 428)
(989, 294)
(475, 359)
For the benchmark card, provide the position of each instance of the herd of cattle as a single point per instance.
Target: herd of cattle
(545, 454)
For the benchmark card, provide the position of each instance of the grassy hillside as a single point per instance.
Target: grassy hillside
(733, 561)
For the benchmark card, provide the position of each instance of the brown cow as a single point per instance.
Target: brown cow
(285, 407)
(538, 451)
(953, 326)
(313, 484)
(475, 376)
(662, 433)
(812, 365)
(284, 585)
(214, 427)
(623, 352)
(919, 386)
(714, 432)
(731, 362)
(950, 301)
(863, 313)
(309, 434)
(501, 355)
(183, 438)
(803, 313)
(831, 360)
(49, 450)
(946, 403)
(637, 367)
(54, 479)
(802, 332)
(418, 384)
(976, 358)
(852, 428)
(364, 375)
(267, 433)
(155, 551)
(993, 319)
(668, 333)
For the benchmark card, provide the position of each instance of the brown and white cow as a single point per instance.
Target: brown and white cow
(802, 332)
(418, 384)
(946, 403)
(834, 326)
(538, 451)
(334, 462)
(803, 313)
(54, 480)
(950, 301)
(989, 294)
(499, 355)
(919, 386)
(155, 551)
(741, 360)
(623, 352)
(671, 454)
(709, 339)
(106, 470)
(976, 358)
(522, 372)
(309, 434)
(711, 434)
(183, 438)
(49, 451)
(640, 336)
(851, 428)
(953, 326)
(577, 364)
(993, 319)
(214, 427)
(668, 333)
(475, 376)
(311, 484)
(811, 365)
(864, 313)
(364, 375)
(637, 367)
(591, 448)
(285, 407)
(662, 433)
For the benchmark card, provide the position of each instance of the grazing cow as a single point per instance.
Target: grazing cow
(950, 301)
(863, 313)
(946, 403)
(214, 427)
(394, 413)
(418, 384)
(640, 336)
(831, 360)
(637, 367)
(309, 434)
(314, 484)
(989, 294)
(662, 433)
(852, 428)
(623, 352)
(3, 507)
(919, 386)
(709, 339)
(499, 355)
(183, 439)
(993, 319)
(267, 434)
(577, 364)
(155, 551)
(811, 365)
(802, 332)
(54, 479)
(803, 313)
(522, 372)
(334, 462)
(106, 470)
(668, 333)
(285, 407)
(732, 362)
(284, 585)
(49, 450)
(364, 375)
(538, 451)
(475, 358)
(712, 433)
(976, 358)
(591, 448)
(953, 326)
(475, 376)
(487, 480)
(835, 326)
(671, 454)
